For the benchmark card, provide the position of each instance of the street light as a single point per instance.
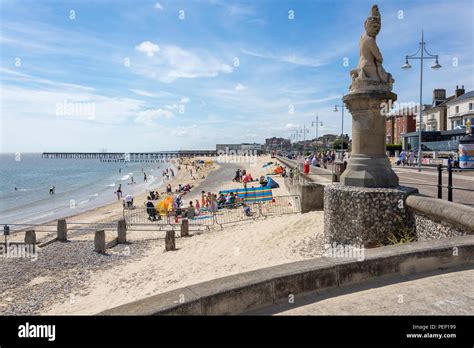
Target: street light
(422, 50)
(316, 123)
(342, 126)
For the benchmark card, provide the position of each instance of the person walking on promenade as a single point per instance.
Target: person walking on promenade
(411, 158)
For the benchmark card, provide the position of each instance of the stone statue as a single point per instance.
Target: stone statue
(370, 74)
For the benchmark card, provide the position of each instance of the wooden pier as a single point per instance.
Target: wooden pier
(129, 156)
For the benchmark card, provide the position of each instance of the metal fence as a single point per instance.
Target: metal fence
(140, 217)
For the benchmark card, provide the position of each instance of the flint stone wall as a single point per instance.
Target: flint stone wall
(437, 219)
(365, 216)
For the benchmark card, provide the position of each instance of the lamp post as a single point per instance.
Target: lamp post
(342, 125)
(422, 50)
(316, 123)
(304, 130)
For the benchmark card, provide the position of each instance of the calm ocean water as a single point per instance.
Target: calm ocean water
(85, 183)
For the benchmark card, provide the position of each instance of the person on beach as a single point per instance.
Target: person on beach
(129, 201)
(198, 207)
(150, 209)
(191, 212)
(119, 192)
(169, 189)
(203, 198)
(213, 203)
(144, 177)
(247, 210)
(51, 190)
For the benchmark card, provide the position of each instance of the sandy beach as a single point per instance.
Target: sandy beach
(70, 278)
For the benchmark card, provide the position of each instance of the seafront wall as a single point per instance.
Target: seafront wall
(436, 218)
(250, 291)
(309, 187)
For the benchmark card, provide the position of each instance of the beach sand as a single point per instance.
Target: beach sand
(143, 268)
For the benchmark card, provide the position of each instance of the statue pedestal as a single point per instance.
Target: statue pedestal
(364, 216)
(368, 165)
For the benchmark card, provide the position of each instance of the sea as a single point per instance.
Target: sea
(80, 185)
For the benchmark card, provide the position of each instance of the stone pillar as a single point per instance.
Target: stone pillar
(122, 232)
(62, 230)
(30, 237)
(99, 241)
(368, 165)
(185, 228)
(169, 241)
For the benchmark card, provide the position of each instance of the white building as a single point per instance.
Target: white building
(460, 109)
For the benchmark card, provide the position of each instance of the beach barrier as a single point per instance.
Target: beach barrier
(139, 217)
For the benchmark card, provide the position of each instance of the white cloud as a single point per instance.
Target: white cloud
(158, 6)
(185, 100)
(148, 47)
(240, 87)
(182, 132)
(289, 58)
(142, 93)
(147, 117)
(175, 62)
(43, 105)
(291, 126)
(172, 107)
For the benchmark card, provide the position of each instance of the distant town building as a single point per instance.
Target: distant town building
(460, 109)
(398, 123)
(277, 144)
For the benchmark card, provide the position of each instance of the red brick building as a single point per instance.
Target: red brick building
(399, 123)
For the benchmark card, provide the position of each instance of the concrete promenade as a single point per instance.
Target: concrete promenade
(436, 293)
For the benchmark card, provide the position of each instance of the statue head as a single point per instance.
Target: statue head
(373, 23)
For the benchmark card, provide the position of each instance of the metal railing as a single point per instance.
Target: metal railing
(450, 186)
(229, 213)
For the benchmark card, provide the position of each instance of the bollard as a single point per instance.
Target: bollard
(440, 181)
(169, 241)
(185, 228)
(450, 183)
(122, 232)
(99, 241)
(62, 230)
(30, 237)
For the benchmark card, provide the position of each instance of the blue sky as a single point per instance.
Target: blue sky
(161, 82)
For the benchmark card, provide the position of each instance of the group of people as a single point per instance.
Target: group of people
(406, 158)
(323, 159)
(241, 175)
